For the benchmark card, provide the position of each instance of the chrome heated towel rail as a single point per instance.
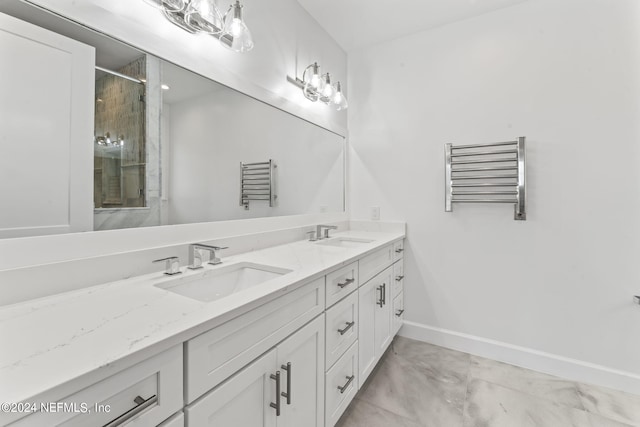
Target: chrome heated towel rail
(257, 182)
(486, 173)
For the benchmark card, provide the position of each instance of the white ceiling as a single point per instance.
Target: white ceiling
(359, 23)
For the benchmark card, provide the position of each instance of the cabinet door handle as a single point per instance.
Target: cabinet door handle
(344, 387)
(346, 328)
(399, 250)
(276, 405)
(380, 301)
(287, 369)
(399, 313)
(142, 404)
(384, 294)
(347, 282)
(398, 278)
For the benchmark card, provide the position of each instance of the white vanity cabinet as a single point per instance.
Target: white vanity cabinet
(213, 356)
(282, 388)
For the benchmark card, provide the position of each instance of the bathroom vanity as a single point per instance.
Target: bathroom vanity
(280, 336)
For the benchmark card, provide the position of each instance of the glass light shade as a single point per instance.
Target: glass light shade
(203, 16)
(339, 100)
(235, 27)
(327, 91)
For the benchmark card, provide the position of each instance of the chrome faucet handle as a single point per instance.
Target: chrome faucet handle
(312, 236)
(172, 265)
(636, 299)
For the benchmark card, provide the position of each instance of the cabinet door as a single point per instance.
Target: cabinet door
(374, 312)
(243, 400)
(383, 316)
(46, 128)
(301, 364)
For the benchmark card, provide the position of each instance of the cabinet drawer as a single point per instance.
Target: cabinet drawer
(398, 277)
(341, 283)
(176, 421)
(342, 328)
(398, 250)
(398, 312)
(374, 263)
(341, 385)
(146, 394)
(217, 354)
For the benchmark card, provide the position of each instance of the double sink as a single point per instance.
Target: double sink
(218, 283)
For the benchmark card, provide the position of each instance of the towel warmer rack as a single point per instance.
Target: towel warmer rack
(486, 173)
(257, 182)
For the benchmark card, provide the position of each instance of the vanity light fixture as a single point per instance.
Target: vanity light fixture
(204, 17)
(316, 86)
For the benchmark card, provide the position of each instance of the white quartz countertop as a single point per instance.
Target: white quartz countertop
(83, 336)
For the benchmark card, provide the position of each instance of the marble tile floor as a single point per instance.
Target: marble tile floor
(422, 385)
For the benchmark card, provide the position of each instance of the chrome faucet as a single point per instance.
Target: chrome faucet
(326, 229)
(195, 255)
(172, 265)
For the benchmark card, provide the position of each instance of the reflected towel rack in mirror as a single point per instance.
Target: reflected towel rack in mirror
(257, 182)
(486, 173)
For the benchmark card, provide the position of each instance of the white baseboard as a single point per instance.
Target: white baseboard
(572, 369)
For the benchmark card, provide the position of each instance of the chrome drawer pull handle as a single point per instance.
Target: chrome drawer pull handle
(346, 328)
(276, 405)
(399, 278)
(384, 294)
(380, 301)
(399, 313)
(142, 404)
(287, 369)
(346, 282)
(344, 387)
(399, 250)
(637, 299)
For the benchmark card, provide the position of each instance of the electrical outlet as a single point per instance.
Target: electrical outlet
(375, 213)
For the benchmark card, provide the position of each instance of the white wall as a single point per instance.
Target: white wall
(565, 74)
(212, 133)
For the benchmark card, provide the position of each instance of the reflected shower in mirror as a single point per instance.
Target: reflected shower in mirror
(168, 146)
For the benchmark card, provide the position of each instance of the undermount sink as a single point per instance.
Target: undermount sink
(212, 285)
(344, 242)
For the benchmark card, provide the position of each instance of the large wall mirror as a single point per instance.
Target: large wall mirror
(168, 147)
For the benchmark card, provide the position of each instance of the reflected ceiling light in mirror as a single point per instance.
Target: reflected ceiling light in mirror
(235, 27)
(106, 141)
(165, 86)
(204, 17)
(316, 86)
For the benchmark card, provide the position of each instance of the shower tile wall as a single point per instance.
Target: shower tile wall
(120, 171)
(120, 112)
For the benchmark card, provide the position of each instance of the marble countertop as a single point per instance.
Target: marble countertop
(72, 340)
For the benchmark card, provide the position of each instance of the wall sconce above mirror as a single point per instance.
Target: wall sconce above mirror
(204, 17)
(317, 86)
